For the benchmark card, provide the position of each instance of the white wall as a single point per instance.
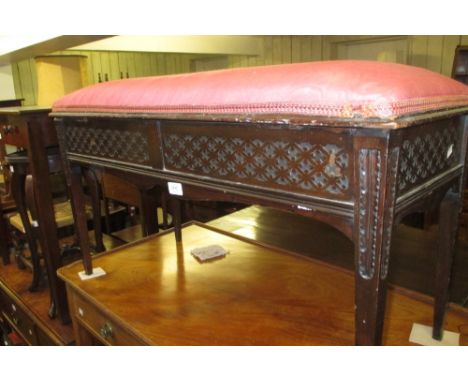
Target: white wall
(7, 88)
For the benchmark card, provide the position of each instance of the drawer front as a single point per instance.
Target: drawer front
(18, 319)
(100, 325)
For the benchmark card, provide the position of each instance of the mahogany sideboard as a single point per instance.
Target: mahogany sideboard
(357, 145)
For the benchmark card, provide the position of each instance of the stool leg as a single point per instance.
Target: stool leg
(93, 187)
(374, 218)
(448, 217)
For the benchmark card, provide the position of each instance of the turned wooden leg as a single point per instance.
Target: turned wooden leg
(448, 224)
(374, 210)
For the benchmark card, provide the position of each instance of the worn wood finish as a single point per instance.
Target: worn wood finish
(360, 177)
(172, 299)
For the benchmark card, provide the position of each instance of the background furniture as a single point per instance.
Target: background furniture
(460, 64)
(32, 129)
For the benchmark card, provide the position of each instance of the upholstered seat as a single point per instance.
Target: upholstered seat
(332, 89)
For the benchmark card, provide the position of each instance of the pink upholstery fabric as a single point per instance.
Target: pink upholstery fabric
(344, 89)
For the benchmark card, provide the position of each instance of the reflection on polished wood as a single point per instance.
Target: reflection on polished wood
(413, 251)
(155, 292)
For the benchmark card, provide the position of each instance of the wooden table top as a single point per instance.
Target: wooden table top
(256, 295)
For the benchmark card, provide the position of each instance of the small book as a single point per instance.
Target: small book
(209, 252)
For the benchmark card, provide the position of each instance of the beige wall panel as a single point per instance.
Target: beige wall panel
(434, 53)
(418, 51)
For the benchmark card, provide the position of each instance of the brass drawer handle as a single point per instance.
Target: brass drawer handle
(106, 331)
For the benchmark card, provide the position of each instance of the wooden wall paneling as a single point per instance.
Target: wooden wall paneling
(123, 67)
(277, 52)
(138, 64)
(28, 81)
(170, 64)
(131, 65)
(316, 48)
(286, 49)
(153, 57)
(161, 69)
(268, 50)
(296, 55)
(17, 81)
(235, 61)
(105, 66)
(96, 73)
(464, 40)
(114, 67)
(305, 48)
(434, 53)
(418, 51)
(448, 53)
(327, 47)
(146, 63)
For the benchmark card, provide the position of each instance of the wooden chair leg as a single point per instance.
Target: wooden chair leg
(448, 219)
(31, 232)
(18, 191)
(4, 253)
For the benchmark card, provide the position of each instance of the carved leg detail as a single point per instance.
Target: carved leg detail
(448, 223)
(375, 196)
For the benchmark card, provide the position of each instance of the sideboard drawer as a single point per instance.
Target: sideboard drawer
(100, 325)
(18, 319)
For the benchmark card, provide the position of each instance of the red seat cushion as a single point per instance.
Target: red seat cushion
(344, 89)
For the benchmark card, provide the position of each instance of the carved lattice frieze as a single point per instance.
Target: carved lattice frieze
(303, 166)
(426, 155)
(123, 145)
